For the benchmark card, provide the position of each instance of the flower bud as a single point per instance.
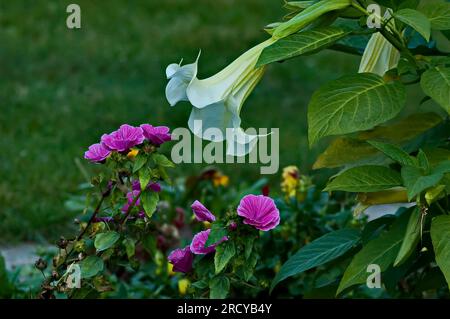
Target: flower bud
(40, 264)
(232, 226)
(62, 243)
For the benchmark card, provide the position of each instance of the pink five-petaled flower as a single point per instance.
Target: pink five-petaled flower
(97, 153)
(157, 135)
(202, 214)
(123, 139)
(259, 211)
(199, 241)
(181, 259)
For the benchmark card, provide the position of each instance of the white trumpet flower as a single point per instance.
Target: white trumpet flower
(217, 101)
(379, 55)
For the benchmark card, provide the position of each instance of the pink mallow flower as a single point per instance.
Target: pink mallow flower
(157, 135)
(259, 211)
(123, 139)
(97, 153)
(202, 214)
(181, 259)
(199, 241)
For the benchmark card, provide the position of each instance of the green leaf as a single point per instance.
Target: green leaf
(416, 20)
(249, 266)
(342, 151)
(301, 43)
(416, 181)
(223, 255)
(162, 160)
(307, 16)
(394, 152)
(411, 238)
(441, 168)
(248, 247)
(435, 82)
(149, 201)
(440, 236)
(201, 284)
(144, 177)
(438, 13)
(345, 150)
(353, 103)
(381, 251)
(91, 266)
(218, 231)
(129, 247)
(422, 160)
(219, 287)
(106, 240)
(139, 162)
(320, 251)
(366, 178)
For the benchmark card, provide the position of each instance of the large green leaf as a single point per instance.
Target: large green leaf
(415, 182)
(301, 43)
(149, 201)
(346, 150)
(223, 255)
(440, 236)
(162, 160)
(411, 239)
(219, 287)
(394, 152)
(381, 251)
(139, 162)
(91, 266)
(438, 13)
(144, 177)
(307, 16)
(105, 240)
(435, 82)
(366, 178)
(416, 20)
(353, 103)
(417, 179)
(318, 252)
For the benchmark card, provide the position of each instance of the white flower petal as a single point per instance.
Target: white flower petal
(216, 88)
(176, 91)
(241, 143)
(180, 78)
(172, 69)
(214, 116)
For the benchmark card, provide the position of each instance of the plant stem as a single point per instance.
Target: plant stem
(130, 207)
(94, 214)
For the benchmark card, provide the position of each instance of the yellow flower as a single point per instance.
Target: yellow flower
(132, 153)
(170, 269)
(183, 285)
(220, 180)
(290, 181)
(207, 224)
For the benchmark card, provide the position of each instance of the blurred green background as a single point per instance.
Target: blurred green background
(60, 89)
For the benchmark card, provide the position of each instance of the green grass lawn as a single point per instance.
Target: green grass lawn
(60, 89)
